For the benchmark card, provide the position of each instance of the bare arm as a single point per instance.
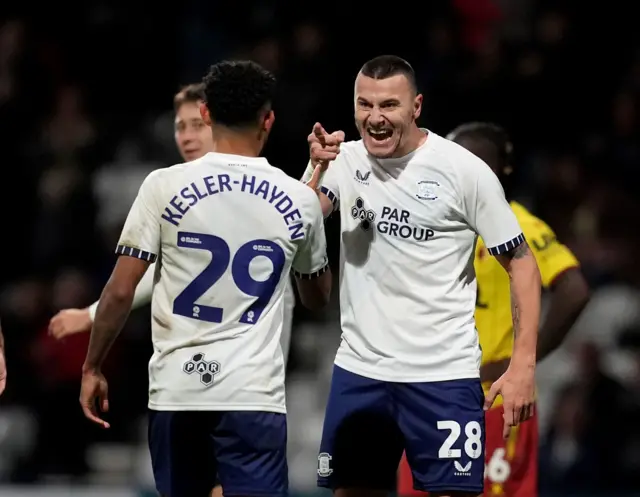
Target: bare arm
(144, 292)
(315, 292)
(517, 384)
(313, 179)
(524, 277)
(310, 266)
(113, 309)
(569, 296)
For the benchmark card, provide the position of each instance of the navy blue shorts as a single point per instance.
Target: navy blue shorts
(368, 424)
(245, 451)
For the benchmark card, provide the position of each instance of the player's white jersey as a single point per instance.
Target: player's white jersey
(226, 230)
(407, 282)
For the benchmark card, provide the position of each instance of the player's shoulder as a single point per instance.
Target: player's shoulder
(154, 180)
(522, 213)
(293, 187)
(194, 167)
(529, 222)
(450, 165)
(455, 157)
(172, 171)
(303, 195)
(163, 181)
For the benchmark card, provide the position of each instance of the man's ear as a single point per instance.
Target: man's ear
(204, 113)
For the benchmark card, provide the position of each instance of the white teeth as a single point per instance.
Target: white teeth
(379, 132)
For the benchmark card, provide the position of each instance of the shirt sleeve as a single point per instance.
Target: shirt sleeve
(488, 212)
(329, 183)
(311, 258)
(553, 257)
(141, 233)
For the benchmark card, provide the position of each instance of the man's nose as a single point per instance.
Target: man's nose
(376, 116)
(189, 135)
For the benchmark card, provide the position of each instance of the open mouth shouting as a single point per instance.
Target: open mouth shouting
(381, 136)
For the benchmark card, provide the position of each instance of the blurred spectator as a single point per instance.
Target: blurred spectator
(581, 449)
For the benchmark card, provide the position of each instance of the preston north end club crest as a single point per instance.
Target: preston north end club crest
(427, 190)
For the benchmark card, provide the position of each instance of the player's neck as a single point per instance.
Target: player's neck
(226, 141)
(415, 140)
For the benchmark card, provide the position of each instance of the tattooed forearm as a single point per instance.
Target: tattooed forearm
(518, 252)
(506, 259)
(515, 312)
(524, 278)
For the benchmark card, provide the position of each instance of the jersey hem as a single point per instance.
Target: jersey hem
(217, 407)
(463, 375)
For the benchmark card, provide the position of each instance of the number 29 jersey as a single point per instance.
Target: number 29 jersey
(226, 231)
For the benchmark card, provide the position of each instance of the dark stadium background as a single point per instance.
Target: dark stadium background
(85, 112)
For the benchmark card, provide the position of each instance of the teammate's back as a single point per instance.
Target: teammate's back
(225, 229)
(231, 227)
(247, 209)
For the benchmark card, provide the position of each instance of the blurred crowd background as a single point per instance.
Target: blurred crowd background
(86, 112)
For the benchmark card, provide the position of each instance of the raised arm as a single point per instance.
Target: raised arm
(310, 265)
(323, 149)
(313, 177)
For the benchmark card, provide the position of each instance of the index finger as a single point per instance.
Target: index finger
(320, 133)
(338, 135)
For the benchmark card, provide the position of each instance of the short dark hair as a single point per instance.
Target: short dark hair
(386, 66)
(237, 91)
(490, 133)
(189, 94)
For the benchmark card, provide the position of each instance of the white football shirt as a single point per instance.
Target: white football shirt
(144, 292)
(225, 230)
(407, 282)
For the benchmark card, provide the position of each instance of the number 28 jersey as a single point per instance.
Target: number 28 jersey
(226, 230)
(407, 283)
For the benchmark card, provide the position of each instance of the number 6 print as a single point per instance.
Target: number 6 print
(185, 303)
